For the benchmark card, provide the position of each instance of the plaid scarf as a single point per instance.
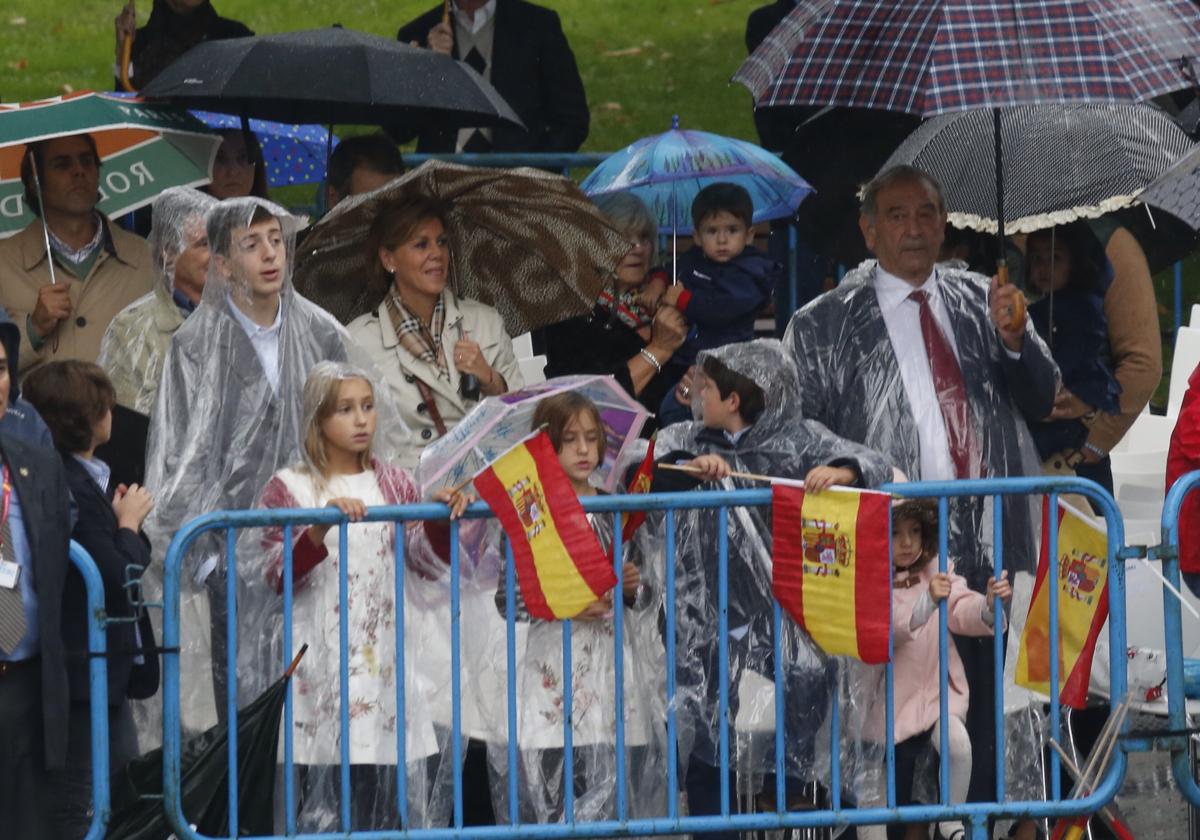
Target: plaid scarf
(425, 344)
(625, 307)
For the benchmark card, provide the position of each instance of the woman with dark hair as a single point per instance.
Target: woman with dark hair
(1068, 268)
(439, 353)
(239, 170)
(76, 400)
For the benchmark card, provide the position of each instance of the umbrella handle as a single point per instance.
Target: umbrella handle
(1018, 310)
(446, 13)
(287, 675)
(126, 56)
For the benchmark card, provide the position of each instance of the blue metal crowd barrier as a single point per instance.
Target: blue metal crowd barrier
(976, 815)
(1179, 732)
(98, 695)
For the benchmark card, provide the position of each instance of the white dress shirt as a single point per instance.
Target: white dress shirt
(265, 341)
(902, 315)
(482, 15)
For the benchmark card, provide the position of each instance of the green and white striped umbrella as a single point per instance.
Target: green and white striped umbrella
(143, 148)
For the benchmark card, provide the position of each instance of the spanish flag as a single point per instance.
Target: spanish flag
(640, 483)
(832, 569)
(1081, 575)
(560, 565)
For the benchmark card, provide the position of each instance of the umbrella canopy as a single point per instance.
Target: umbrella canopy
(667, 170)
(927, 57)
(331, 76)
(143, 149)
(1062, 162)
(499, 423)
(1177, 190)
(525, 241)
(137, 808)
(294, 153)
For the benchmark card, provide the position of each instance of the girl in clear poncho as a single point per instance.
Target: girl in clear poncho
(337, 469)
(575, 428)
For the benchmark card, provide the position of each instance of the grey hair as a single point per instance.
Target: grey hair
(631, 215)
(901, 173)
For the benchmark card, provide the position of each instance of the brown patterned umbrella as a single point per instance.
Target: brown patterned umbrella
(525, 241)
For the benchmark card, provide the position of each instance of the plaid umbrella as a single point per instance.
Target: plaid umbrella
(1064, 162)
(928, 57)
(525, 241)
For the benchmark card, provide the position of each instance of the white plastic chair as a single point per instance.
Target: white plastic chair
(533, 369)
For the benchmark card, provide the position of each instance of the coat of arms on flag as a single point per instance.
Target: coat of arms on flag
(832, 569)
(1081, 575)
(560, 565)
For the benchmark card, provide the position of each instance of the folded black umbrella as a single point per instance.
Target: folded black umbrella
(125, 452)
(328, 76)
(137, 808)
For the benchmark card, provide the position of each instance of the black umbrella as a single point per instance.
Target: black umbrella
(137, 808)
(331, 75)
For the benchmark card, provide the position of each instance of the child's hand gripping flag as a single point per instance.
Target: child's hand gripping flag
(1081, 575)
(832, 569)
(560, 565)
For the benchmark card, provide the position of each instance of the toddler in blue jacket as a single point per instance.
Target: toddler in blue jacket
(723, 281)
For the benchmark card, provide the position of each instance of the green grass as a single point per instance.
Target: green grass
(641, 60)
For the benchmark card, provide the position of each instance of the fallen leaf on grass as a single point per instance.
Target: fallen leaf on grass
(664, 55)
(611, 106)
(66, 88)
(19, 64)
(624, 52)
(17, 21)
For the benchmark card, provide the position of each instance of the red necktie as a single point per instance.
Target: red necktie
(951, 393)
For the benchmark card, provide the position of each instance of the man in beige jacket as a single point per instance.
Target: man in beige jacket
(98, 268)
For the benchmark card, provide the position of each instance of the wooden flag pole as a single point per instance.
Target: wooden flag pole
(1105, 812)
(749, 476)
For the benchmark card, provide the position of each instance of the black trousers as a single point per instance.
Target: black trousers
(72, 805)
(25, 789)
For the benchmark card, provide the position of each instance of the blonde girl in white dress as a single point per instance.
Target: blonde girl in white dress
(339, 470)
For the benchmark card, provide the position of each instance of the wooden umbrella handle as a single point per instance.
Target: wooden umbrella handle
(126, 55)
(1018, 309)
(445, 12)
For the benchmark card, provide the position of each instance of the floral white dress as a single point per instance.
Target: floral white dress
(371, 652)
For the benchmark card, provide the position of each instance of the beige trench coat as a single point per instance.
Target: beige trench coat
(118, 278)
(135, 347)
(478, 322)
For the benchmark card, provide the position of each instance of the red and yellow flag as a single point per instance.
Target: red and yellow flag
(560, 565)
(640, 483)
(1081, 574)
(832, 572)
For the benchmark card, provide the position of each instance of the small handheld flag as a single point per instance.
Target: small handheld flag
(560, 565)
(831, 568)
(1081, 575)
(642, 479)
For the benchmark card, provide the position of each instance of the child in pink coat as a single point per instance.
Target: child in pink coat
(917, 589)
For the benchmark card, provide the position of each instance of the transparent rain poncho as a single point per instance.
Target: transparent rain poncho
(540, 711)
(221, 427)
(373, 661)
(781, 443)
(136, 342)
(851, 382)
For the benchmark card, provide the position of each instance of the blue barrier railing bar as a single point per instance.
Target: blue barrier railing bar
(289, 788)
(401, 680)
(943, 656)
(619, 662)
(669, 608)
(1055, 644)
(231, 636)
(723, 653)
(975, 813)
(343, 672)
(1181, 765)
(998, 630)
(455, 671)
(510, 586)
(98, 689)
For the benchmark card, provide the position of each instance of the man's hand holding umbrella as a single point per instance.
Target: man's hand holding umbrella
(1008, 314)
(53, 306)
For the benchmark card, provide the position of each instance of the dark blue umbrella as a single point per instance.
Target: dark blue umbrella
(667, 170)
(295, 154)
